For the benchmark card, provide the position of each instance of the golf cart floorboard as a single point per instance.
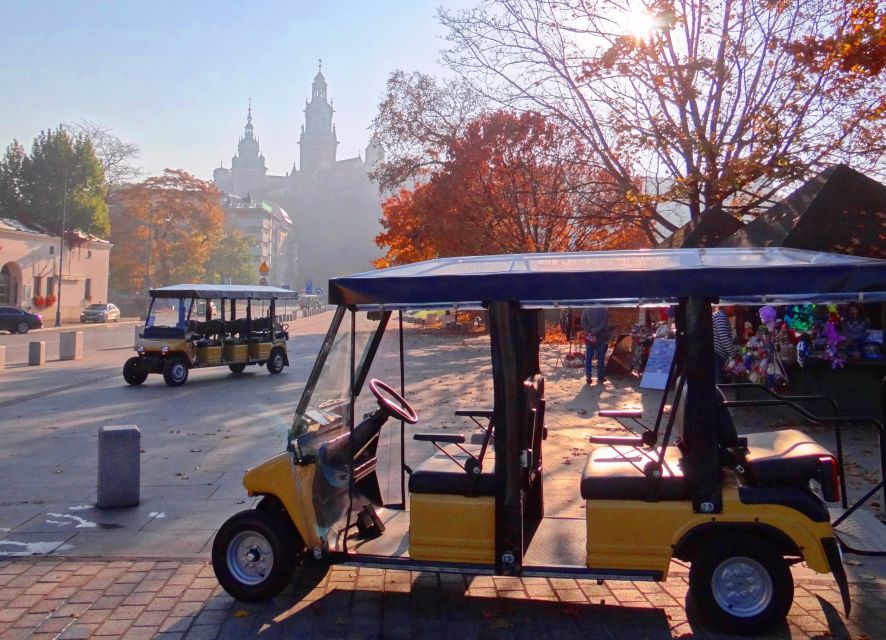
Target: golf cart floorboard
(558, 542)
(393, 543)
(861, 533)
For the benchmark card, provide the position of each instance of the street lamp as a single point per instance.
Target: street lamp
(61, 254)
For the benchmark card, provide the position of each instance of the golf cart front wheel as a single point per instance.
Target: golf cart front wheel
(131, 372)
(277, 360)
(742, 583)
(254, 554)
(175, 372)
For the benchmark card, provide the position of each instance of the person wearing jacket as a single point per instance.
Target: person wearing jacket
(595, 324)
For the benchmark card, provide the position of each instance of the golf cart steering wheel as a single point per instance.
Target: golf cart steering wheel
(399, 409)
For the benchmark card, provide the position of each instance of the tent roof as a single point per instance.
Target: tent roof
(714, 227)
(613, 277)
(840, 211)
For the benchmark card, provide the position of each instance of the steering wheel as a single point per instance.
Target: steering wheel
(399, 409)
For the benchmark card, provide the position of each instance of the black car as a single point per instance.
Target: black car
(16, 320)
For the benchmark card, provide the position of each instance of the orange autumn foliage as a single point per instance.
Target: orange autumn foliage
(510, 184)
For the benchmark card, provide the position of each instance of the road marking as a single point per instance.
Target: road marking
(32, 548)
(82, 523)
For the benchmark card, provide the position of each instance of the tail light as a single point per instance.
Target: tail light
(829, 479)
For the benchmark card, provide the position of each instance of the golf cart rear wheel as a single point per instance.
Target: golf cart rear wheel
(131, 373)
(276, 361)
(175, 372)
(237, 368)
(741, 583)
(255, 553)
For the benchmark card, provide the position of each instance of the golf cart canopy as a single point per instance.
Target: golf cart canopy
(618, 278)
(228, 291)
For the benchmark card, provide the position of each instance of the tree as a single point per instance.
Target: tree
(165, 229)
(231, 261)
(703, 99)
(116, 155)
(419, 119)
(11, 204)
(61, 178)
(511, 184)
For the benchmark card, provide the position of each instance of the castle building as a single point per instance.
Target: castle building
(335, 208)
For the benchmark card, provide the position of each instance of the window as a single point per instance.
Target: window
(51, 249)
(38, 286)
(50, 286)
(87, 288)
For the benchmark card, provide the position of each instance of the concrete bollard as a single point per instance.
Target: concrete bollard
(36, 354)
(2, 358)
(119, 466)
(70, 345)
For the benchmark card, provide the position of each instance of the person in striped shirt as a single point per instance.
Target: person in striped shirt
(724, 344)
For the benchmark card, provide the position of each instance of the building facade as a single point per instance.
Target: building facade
(268, 228)
(335, 209)
(29, 270)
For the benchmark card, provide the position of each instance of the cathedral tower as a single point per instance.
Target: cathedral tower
(318, 142)
(248, 168)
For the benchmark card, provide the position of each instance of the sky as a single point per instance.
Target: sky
(175, 77)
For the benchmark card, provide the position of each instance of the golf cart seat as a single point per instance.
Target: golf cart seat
(784, 458)
(440, 475)
(624, 473)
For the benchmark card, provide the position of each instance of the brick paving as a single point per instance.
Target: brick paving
(132, 599)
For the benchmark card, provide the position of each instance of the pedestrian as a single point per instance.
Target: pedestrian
(724, 344)
(595, 324)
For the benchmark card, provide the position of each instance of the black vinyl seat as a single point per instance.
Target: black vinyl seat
(440, 475)
(782, 458)
(786, 457)
(619, 472)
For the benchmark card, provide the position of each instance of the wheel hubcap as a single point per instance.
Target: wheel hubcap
(250, 558)
(742, 587)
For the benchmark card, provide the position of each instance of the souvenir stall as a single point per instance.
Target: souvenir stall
(810, 348)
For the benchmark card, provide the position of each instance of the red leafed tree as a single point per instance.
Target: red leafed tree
(511, 184)
(164, 230)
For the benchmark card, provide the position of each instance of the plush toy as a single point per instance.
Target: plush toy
(768, 316)
(801, 317)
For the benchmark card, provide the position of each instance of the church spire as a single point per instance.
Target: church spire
(248, 133)
(318, 140)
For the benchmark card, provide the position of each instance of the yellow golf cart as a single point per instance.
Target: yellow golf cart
(192, 326)
(739, 508)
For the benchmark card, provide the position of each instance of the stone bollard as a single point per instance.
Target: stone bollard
(36, 354)
(119, 466)
(70, 345)
(2, 358)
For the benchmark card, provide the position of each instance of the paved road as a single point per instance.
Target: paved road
(142, 572)
(96, 337)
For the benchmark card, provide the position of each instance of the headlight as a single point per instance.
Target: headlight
(164, 350)
(140, 349)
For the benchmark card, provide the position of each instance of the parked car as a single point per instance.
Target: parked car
(100, 312)
(17, 320)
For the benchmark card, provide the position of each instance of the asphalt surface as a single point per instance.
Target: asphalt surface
(70, 570)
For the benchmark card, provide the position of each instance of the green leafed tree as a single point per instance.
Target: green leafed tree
(231, 261)
(61, 178)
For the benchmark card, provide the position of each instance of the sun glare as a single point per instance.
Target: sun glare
(639, 23)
